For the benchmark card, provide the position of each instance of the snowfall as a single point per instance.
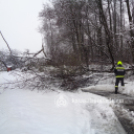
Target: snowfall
(23, 111)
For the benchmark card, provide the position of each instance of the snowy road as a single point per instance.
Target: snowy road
(33, 112)
(27, 112)
(30, 112)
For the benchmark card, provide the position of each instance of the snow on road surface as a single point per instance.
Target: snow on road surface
(128, 89)
(33, 112)
(30, 112)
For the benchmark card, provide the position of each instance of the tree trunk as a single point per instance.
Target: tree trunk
(108, 33)
(131, 31)
(121, 18)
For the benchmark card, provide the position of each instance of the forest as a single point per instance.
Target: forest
(80, 32)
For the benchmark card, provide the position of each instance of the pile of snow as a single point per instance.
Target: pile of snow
(129, 89)
(6, 77)
(100, 88)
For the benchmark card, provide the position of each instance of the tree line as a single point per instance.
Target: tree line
(83, 31)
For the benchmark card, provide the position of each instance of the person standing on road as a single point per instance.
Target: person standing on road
(119, 73)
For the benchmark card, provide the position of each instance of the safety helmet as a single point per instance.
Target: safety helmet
(119, 63)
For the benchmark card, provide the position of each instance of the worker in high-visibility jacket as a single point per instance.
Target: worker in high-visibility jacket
(119, 73)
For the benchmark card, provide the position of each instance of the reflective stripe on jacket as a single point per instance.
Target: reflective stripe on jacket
(119, 71)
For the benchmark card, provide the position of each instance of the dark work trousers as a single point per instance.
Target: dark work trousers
(117, 82)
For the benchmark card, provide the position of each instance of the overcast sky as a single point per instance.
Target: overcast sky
(19, 24)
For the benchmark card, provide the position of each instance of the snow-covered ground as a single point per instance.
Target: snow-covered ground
(106, 82)
(128, 89)
(37, 112)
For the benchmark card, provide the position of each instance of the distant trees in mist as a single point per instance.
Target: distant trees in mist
(82, 31)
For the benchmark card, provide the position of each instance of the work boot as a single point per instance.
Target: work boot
(116, 90)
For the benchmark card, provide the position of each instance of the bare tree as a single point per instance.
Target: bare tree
(6, 42)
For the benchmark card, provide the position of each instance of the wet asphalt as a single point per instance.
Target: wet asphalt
(123, 102)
